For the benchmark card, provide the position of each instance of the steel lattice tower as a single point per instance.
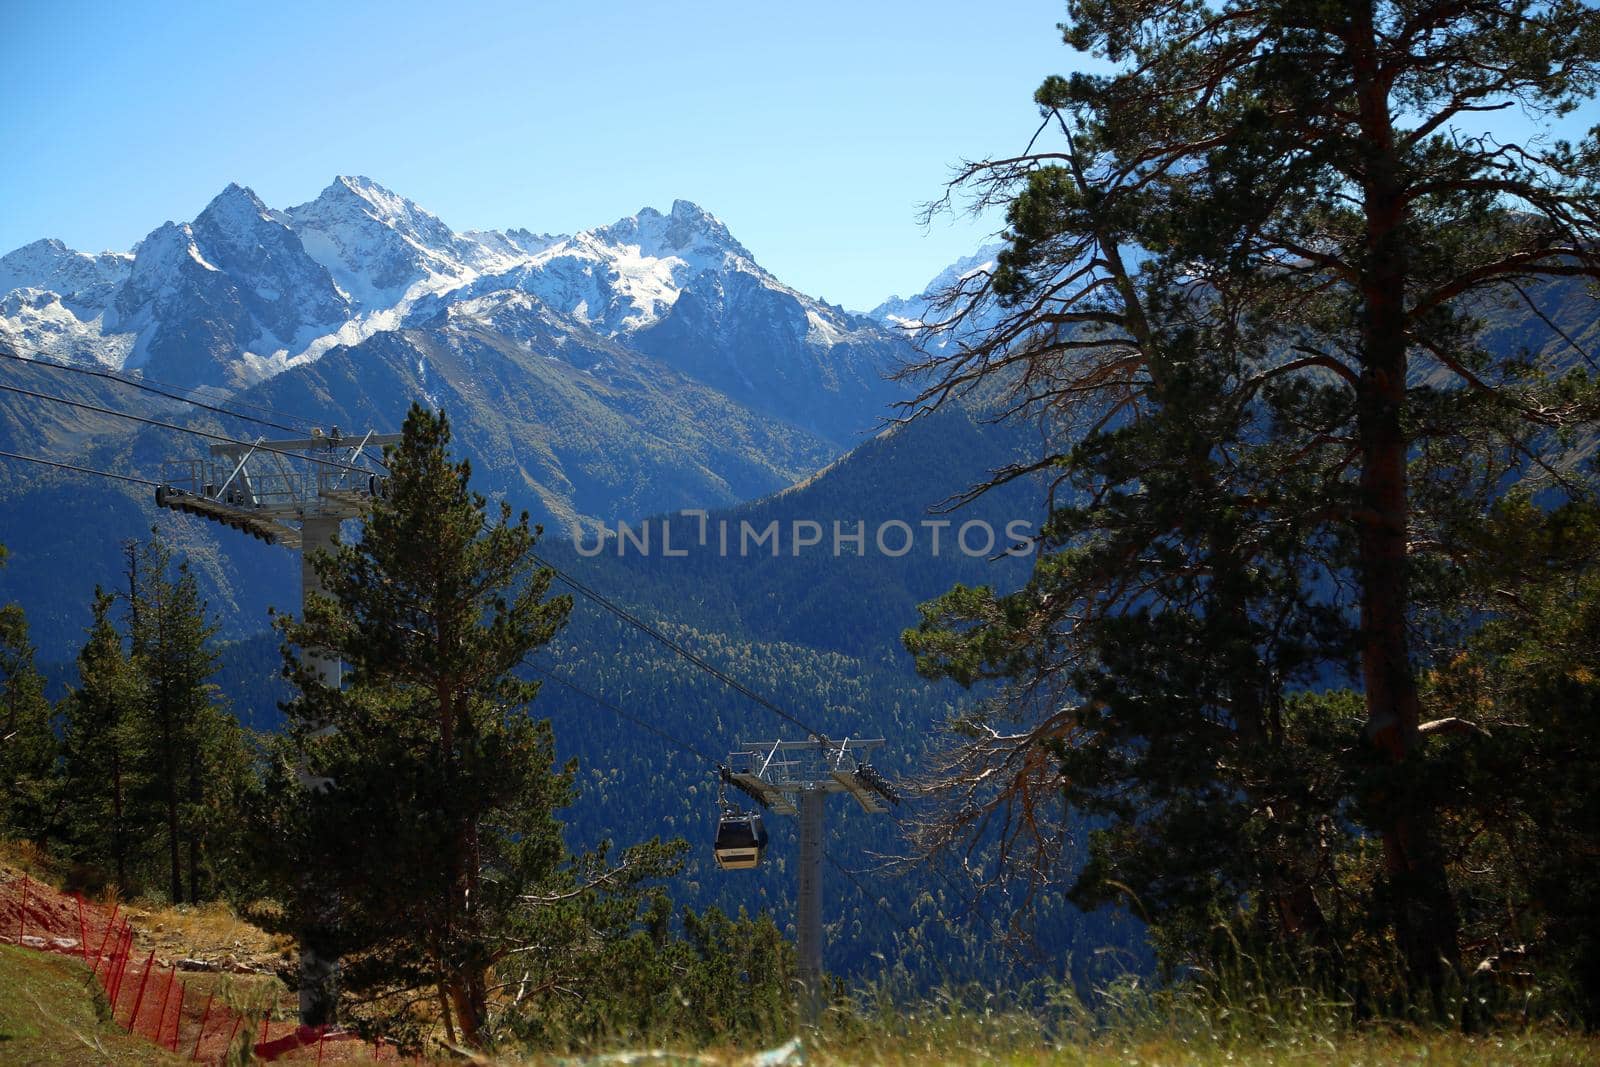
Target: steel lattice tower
(795, 778)
(261, 489)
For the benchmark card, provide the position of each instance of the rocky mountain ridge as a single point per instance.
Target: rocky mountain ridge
(244, 292)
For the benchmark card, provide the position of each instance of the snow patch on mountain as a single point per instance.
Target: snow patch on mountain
(79, 277)
(623, 277)
(514, 243)
(383, 249)
(36, 321)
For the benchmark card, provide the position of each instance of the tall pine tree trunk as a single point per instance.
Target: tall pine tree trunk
(174, 842)
(447, 1014)
(466, 995)
(1426, 923)
(119, 846)
(169, 793)
(194, 838)
(1425, 919)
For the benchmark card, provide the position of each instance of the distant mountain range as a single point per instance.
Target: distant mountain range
(245, 292)
(914, 315)
(631, 369)
(624, 372)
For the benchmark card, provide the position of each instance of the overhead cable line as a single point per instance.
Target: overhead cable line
(149, 385)
(633, 620)
(692, 750)
(80, 470)
(180, 429)
(96, 372)
(622, 613)
(584, 589)
(142, 380)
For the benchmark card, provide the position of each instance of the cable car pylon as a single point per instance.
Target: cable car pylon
(250, 487)
(795, 778)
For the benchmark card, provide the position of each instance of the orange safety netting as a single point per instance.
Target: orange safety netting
(152, 998)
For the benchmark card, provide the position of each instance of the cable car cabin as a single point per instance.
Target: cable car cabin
(741, 840)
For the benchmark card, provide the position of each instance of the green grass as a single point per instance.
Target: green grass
(1238, 1024)
(1188, 1029)
(938, 1048)
(1344, 1050)
(51, 1013)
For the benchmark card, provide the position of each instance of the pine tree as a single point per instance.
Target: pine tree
(28, 747)
(1150, 656)
(104, 760)
(439, 811)
(1314, 163)
(193, 749)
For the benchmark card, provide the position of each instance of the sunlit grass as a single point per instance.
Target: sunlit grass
(51, 1013)
(1241, 1019)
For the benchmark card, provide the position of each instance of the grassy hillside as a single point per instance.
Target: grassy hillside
(49, 1014)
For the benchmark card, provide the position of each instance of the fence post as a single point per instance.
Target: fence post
(138, 998)
(205, 1017)
(111, 922)
(237, 1019)
(127, 956)
(114, 961)
(119, 962)
(177, 1017)
(161, 1012)
(83, 928)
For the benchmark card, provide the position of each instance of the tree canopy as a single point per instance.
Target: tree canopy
(1245, 282)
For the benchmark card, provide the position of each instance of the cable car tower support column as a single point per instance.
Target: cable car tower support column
(795, 778)
(317, 533)
(808, 901)
(253, 488)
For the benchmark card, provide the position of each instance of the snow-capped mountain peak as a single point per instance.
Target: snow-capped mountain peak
(625, 276)
(245, 292)
(236, 204)
(238, 221)
(49, 265)
(910, 310)
(375, 243)
(688, 232)
(205, 299)
(363, 195)
(157, 261)
(55, 300)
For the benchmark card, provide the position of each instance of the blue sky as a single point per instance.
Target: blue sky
(813, 130)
